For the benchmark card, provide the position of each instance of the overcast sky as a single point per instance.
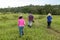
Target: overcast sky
(16, 3)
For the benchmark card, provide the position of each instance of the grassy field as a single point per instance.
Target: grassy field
(9, 29)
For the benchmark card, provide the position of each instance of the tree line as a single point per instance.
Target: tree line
(35, 9)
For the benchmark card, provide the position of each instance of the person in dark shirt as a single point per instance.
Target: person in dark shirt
(49, 20)
(30, 20)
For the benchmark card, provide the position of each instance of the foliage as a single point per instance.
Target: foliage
(35, 9)
(9, 29)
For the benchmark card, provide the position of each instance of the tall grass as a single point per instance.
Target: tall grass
(9, 29)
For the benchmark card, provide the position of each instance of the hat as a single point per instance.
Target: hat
(49, 14)
(21, 15)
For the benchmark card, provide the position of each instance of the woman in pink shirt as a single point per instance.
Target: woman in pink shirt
(21, 23)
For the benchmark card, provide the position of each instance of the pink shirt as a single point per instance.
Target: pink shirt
(21, 22)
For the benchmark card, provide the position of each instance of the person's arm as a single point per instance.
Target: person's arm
(24, 22)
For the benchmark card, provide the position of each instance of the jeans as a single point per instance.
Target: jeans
(21, 31)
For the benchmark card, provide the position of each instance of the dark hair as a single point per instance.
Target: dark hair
(20, 17)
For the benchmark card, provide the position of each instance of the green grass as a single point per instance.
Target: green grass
(9, 29)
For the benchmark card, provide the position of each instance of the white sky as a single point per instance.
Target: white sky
(16, 3)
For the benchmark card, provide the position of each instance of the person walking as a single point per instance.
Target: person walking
(49, 20)
(21, 24)
(30, 20)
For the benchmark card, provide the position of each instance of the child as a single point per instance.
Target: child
(49, 19)
(30, 20)
(21, 23)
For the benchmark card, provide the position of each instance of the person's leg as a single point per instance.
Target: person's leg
(49, 24)
(30, 24)
(20, 31)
